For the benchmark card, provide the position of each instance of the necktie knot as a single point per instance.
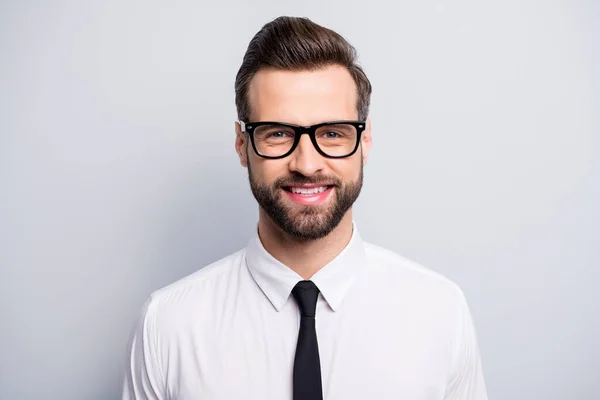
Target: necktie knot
(306, 294)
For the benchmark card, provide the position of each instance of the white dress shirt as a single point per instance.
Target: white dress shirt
(387, 328)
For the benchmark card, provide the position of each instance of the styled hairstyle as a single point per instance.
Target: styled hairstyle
(298, 44)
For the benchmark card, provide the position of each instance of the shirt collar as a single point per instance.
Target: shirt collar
(276, 280)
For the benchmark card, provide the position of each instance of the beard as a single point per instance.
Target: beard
(305, 222)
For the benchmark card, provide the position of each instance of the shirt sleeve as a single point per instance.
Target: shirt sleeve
(142, 371)
(466, 377)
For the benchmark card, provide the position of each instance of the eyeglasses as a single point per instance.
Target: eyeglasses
(274, 140)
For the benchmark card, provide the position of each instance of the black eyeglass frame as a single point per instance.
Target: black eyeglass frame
(248, 127)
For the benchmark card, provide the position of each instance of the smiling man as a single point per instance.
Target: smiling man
(307, 311)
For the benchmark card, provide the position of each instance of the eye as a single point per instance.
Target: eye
(331, 135)
(278, 135)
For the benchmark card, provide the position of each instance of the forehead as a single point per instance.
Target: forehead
(303, 97)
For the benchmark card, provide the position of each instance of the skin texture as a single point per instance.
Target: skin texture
(304, 98)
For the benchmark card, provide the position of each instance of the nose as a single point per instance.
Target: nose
(305, 159)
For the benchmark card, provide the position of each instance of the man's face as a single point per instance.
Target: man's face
(304, 98)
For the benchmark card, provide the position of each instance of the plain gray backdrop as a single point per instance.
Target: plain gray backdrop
(118, 173)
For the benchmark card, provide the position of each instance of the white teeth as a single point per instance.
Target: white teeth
(308, 191)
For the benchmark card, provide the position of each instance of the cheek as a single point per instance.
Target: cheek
(266, 171)
(348, 169)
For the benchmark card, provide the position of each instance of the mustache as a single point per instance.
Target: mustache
(299, 179)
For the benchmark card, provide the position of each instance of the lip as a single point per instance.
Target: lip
(313, 199)
(310, 185)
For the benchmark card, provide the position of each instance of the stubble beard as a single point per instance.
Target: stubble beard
(305, 222)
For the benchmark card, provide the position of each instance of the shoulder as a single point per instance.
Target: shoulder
(390, 268)
(195, 295)
(218, 270)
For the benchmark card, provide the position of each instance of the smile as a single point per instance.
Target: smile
(308, 194)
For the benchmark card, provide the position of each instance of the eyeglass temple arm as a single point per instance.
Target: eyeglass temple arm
(242, 125)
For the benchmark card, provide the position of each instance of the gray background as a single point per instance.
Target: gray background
(118, 173)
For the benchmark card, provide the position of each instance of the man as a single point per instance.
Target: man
(307, 310)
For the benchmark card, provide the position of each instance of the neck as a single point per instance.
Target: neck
(304, 257)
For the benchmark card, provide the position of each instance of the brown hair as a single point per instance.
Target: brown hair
(296, 44)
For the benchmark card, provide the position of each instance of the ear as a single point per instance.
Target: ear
(366, 141)
(240, 145)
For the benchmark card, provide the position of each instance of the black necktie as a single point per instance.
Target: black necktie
(307, 366)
